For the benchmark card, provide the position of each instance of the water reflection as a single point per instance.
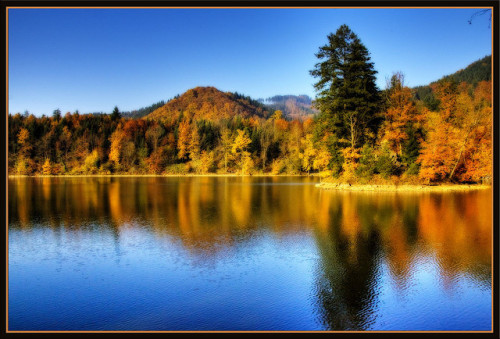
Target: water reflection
(360, 231)
(359, 237)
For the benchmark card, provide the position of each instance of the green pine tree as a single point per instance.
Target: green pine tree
(116, 114)
(347, 94)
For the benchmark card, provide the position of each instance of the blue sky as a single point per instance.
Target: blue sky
(93, 59)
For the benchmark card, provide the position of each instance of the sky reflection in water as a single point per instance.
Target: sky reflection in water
(242, 253)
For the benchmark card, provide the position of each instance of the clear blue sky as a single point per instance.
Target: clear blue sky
(93, 59)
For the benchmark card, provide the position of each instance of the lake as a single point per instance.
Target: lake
(244, 253)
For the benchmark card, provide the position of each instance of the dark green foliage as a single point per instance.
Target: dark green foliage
(116, 114)
(479, 70)
(411, 146)
(367, 163)
(337, 159)
(57, 114)
(209, 135)
(426, 95)
(255, 144)
(385, 164)
(413, 169)
(142, 112)
(347, 95)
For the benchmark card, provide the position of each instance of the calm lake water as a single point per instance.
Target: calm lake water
(241, 253)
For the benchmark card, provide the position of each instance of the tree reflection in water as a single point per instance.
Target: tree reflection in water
(357, 235)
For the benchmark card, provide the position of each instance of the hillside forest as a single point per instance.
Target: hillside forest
(355, 132)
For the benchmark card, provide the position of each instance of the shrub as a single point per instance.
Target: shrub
(414, 169)
(278, 166)
(176, 169)
(367, 163)
(385, 162)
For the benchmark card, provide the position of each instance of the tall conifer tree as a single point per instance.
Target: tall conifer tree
(347, 94)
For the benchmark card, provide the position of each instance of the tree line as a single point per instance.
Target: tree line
(361, 134)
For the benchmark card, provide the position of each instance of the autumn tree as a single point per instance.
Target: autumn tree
(116, 147)
(24, 144)
(322, 159)
(64, 142)
(153, 134)
(206, 161)
(471, 117)
(309, 152)
(183, 139)
(47, 167)
(240, 144)
(266, 138)
(92, 162)
(194, 144)
(194, 150)
(400, 115)
(439, 151)
(226, 146)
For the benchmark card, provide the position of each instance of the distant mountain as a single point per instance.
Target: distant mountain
(479, 70)
(292, 106)
(209, 103)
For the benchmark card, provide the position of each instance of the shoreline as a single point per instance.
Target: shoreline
(156, 175)
(325, 185)
(400, 188)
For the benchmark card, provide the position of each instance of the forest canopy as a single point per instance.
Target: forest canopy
(355, 131)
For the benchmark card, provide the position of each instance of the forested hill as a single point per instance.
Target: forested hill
(479, 70)
(139, 113)
(209, 103)
(292, 106)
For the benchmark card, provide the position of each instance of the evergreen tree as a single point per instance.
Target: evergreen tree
(367, 163)
(347, 94)
(116, 114)
(385, 164)
(411, 147)
(56, 114)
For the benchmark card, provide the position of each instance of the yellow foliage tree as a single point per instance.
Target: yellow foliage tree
(226, 145)
(183, 140)
(309, 152)
(47, 167)
(91, 162)
(240, 145)
(116, 139)
(322, 159)
(194, 145)
(22, 140)
(247, 164)
(401, 112)
(206, 161)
